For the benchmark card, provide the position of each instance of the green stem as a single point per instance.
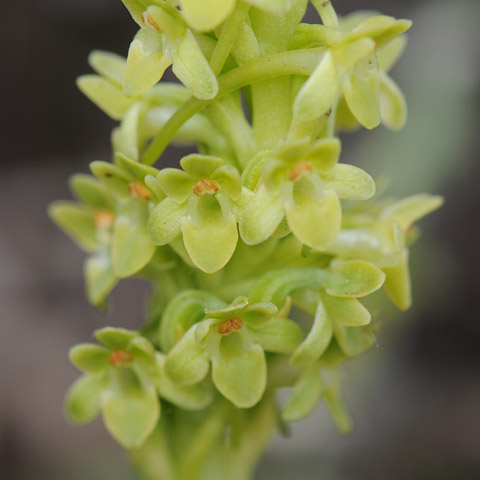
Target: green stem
(228, 36)
(297, 62)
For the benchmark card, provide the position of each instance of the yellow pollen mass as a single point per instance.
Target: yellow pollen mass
(300, 170)
(229, 325)
(136, 189)
(120, 357)
(205, 186)
(149, 21)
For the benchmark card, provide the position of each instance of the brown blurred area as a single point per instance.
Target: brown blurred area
(415, 399)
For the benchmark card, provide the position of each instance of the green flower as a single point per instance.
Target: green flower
(209, 14)
(201, 203)
(351, 66)
(119, 382)
(164, 40)
(382, 237)
(303, 183)
(110, 223)
(232, 339)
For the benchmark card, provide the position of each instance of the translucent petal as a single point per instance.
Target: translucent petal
(354, 278)
(279, 336)
(165, 220)
(389, 54)
(100, 279)
(206, 15)
(211, 242)
(362, 92)
(132, 247)
(136, 170)
(239, 370)
(108, 64)
(317, 341)
(318, 93)
(89, 358)
(261, 216)
(353, 340)
(193, 69)
(105, 94)
(130, 414)
(350, 182)
(306, 394)
(346, 311)
(256, 315)
(337, 408)
(146, 62)
(393, 107)
(115, 338)
(200, 166)
(77, 221)
(315, 223)
(136, 8)
(184, 310)
(187, 362)
(89, 190)
(397, 283)
(189, 397)
(407, 211)
(175, 183)
(125, 138)
(323, 154)
(82, 403)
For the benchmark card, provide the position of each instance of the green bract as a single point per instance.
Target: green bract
(260, 248)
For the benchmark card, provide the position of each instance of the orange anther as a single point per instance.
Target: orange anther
(205, 186)
(136, 189)
(149, 21)
(299, 170)
(229, 325)
(119, 358)
(103, 218)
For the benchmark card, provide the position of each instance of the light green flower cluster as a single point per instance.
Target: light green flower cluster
(260, 248)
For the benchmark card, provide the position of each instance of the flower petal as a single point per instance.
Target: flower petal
(397, 283)
(175, 183)
(318, 93)
(165, 219)
(353, 340)
(200, 166)
(206, 15)
(192, 68)
(393, 107)
(239, 370)
(261, 216)
(350, 182)
(279, 336)
(146, 62)
(315, 223)
(108, 64)
(115, 338)
(82, 403)
(323, 154)
(317, 341)
(89, 358)
(346, 311)
(100, 279)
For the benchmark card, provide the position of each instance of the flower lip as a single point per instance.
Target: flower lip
(120, 358)
(205, 186)
(228, 326)
(300, 170)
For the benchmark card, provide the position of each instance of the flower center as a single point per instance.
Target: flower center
(136, 189)
(228, 326)
(103, 219)
(205, 186)
(149, 21)
(300, 170)
(119, 358)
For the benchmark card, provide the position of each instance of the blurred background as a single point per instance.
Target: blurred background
(415, 398)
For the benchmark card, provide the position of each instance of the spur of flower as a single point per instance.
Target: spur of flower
(201, 204)
(351, 67)
(303, 183)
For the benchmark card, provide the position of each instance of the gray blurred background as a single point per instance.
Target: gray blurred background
(415, 398)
